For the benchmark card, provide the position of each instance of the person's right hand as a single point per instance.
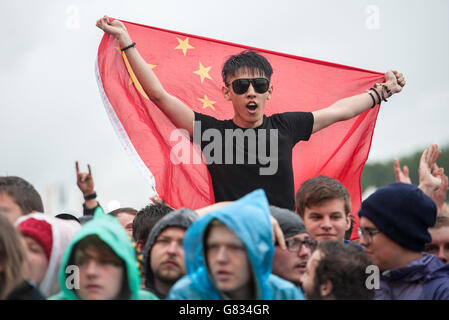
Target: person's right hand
(84, 181)
(115, 28)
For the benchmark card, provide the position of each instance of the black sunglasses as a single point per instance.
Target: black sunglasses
(260, 85)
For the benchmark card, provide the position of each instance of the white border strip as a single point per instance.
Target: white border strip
(121, 132)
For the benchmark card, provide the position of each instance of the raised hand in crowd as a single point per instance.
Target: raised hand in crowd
(402, 175)
(86, 185)
(430, 175)
(432, 179)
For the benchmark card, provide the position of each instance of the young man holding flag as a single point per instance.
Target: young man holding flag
(247, 85)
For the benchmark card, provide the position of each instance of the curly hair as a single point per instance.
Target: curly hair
(344, 265)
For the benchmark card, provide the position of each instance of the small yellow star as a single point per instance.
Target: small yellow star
(207, 103)
(203, 72)
(184, 45)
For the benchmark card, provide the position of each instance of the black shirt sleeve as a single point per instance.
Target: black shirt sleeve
(299, 124)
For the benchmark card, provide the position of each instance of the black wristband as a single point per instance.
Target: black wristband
(372, 97)
(90, 196)
(377, 94)
(130, 46)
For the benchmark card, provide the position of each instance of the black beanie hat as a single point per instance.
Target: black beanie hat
(403, 213)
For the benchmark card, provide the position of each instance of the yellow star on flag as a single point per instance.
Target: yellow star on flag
(207, 103)
(184, 45)
(203, 72)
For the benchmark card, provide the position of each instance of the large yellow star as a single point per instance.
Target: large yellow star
(203, 72)
(207, 103)
(184, 45)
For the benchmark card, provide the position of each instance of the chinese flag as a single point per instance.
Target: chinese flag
(189, 67)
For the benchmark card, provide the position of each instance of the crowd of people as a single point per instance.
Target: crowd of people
(260, 241)
(239, 250)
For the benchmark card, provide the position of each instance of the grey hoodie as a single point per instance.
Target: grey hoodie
(181, 218)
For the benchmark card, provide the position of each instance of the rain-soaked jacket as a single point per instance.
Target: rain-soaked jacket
(426, 278)
(109, 230)
(248, 218)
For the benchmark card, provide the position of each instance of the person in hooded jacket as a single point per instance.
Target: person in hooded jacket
(394, 224)
(164, 251)
(106, 262)
(46, 238)
(229, 255)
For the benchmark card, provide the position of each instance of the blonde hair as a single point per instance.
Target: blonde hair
(12, 256)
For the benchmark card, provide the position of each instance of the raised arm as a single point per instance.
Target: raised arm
(179, 113)
(350, 107)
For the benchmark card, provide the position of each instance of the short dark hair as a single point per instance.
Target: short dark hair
(147, 217)
(22, 193)
(249, 61)
(344, 265)
(316, 190)
(116, 212)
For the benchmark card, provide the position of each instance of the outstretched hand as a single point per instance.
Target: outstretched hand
(395, 81)
(430, 176)
(115, 28)
(84, 180)
(401, 175)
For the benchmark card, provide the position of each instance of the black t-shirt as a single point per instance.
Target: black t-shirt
(241, 160)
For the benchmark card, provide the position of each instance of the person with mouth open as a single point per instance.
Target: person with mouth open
(290, 263)
(247, 85)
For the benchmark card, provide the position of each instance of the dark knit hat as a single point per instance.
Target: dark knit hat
(40, 231)
(290, 222)
(403, 213)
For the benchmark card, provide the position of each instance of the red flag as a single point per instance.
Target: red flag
(189, 67)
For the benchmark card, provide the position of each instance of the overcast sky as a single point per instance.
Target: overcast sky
(51, 113)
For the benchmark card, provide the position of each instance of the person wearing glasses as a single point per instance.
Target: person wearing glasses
(290, 263)
(247, 85)
(394, 224)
